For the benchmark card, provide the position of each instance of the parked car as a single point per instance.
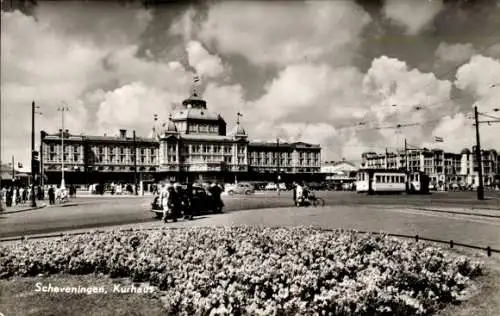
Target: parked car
(239, 188)
(271, 186)
(202, 203)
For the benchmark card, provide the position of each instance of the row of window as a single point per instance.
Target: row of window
(100, 150)
(284, 162)
(390, 179)
(203, 128)
(101, 159)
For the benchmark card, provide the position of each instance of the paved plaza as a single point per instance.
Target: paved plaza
(446, 216)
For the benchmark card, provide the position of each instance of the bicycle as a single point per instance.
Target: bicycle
(312, 200)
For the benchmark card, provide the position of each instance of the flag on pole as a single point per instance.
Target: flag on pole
(438, 139)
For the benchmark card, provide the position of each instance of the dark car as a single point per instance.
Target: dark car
(202, 202)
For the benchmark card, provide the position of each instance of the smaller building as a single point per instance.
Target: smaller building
(339, 171)
(443, 168)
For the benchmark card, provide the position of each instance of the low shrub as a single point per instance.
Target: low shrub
(266, 271)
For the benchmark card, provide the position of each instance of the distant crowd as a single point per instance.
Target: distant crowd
(22, 195)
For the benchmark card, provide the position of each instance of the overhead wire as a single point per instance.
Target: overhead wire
(363, 125)
(490, 116)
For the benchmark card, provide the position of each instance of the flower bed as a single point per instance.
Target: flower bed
(264, 271)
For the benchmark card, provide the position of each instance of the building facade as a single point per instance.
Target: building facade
(443, 168)
(339, 171)
(94, 159)
(193, 145)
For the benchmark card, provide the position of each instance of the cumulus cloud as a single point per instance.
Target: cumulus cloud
(277, 34)
(413, 15)
(478, 78)
(313, 88)
(454, 53)
(205, 64)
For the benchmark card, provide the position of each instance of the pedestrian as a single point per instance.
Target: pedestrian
(294, 193)
(17, 196)
(22, 195)
(52, 195)
(188, 200)
(299, 194)
(216, 192)
(165, 199)
(177, 200)
(10, 195)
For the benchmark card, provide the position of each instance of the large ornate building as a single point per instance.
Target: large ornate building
(192, 145)
(442, 167)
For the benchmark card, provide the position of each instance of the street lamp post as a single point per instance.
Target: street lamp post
(278, 157)
(62, 110)
(33, 196)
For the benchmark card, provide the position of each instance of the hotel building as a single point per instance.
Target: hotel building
(192, 145)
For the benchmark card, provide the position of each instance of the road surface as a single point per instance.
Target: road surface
(94, 212)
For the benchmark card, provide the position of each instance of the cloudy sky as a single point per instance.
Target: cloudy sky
(343, 74)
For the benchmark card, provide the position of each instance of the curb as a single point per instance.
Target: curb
(63, 205)
(24, 209)
(456, 212)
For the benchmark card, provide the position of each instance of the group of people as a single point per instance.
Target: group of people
(176, 201)
(18, 195)
(60, 194)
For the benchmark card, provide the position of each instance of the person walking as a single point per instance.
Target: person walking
(216, 191)
(294, 193)
(17, 197)
(178, 200)
(52, 195)
(166, 199)
(10, 195)
(22, 195)
(188, 200)
(299, 194)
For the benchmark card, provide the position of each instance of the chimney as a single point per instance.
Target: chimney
(123, 133)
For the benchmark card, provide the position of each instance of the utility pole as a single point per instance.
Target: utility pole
(62, 110)
(13, 171)
(278, 158)
(406, 167)
(386, 158)
(33, 195)
(406, 156)
(135, 163)
(479, 158)
(41, 160)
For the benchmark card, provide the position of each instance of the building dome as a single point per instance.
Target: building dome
(239, 131)
(170, 126)
(465, 151)
(194, 101)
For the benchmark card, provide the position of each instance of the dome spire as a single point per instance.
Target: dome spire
(194, 101)
(169, 127)
(154, 133)
(196, 83)
(239, 130)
